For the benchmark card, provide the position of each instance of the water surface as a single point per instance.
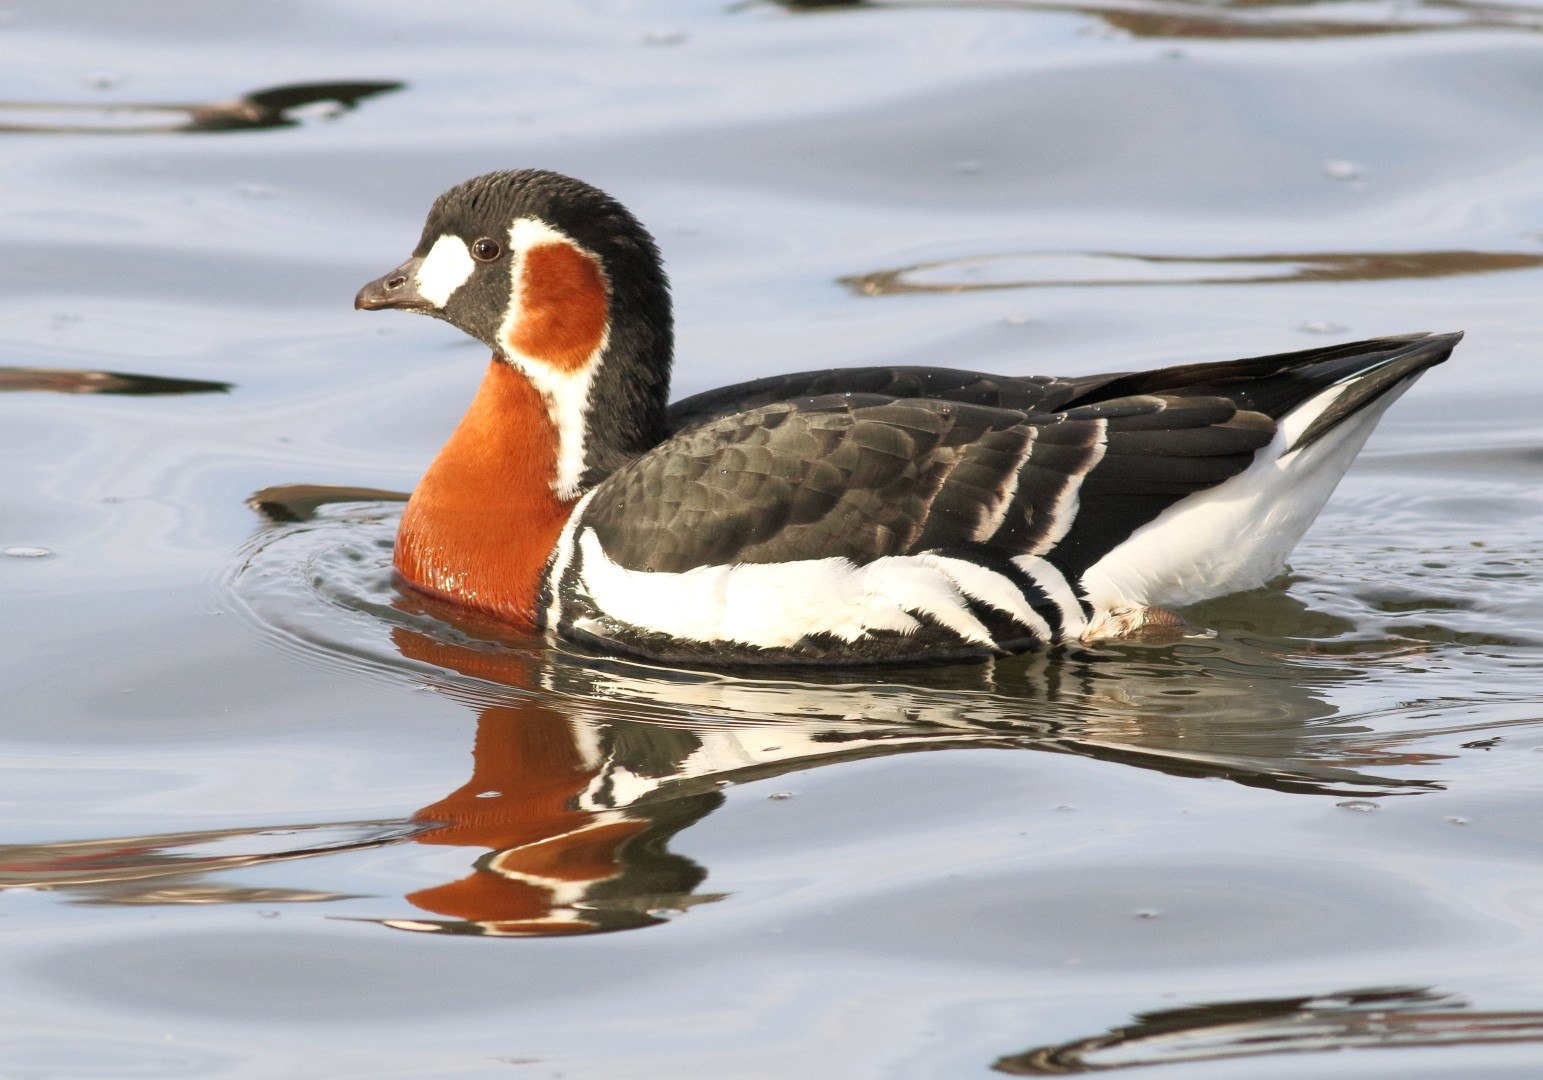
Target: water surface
(262, 815)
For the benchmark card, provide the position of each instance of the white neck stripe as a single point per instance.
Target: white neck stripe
(566, 392)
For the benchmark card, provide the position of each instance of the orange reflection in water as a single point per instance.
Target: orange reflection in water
(531, 804)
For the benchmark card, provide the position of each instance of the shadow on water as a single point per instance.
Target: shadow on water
(585, 768)
(1242, 19)
(274, 107)
(1382, 1018)
(1050, 269)
(71, 381)
(291, 503)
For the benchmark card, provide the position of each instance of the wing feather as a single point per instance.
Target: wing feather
(864, 477)
(897, 383)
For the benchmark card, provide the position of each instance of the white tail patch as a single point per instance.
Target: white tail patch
(1236, 535)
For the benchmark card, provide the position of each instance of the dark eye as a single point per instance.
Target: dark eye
(486, 249)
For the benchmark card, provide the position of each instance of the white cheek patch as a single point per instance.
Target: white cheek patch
(444, 269)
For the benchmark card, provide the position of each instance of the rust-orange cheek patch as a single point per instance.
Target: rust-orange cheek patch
(564, 305)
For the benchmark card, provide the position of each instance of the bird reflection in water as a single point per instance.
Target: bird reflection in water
(585, 768)
(1377, 1018)
(1280, 20)
(75, 381)
(572, 842)
(260, 110)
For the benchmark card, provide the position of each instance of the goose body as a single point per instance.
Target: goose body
(835, 516)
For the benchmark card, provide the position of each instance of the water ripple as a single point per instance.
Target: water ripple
(273, 107)
(73, 381)
(1241, 19)
(1052, 269)
(1366, 1019)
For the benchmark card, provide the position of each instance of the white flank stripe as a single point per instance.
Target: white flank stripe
(1066, 504)
(990, 587)
(1236, 535)
(566, 392)
(561, 560)
(910, 584)
(998, 513)
(443, 270)
(773, 605)
(1054, 584)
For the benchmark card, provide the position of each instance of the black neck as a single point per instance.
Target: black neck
(627, 401)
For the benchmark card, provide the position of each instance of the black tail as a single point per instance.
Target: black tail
(1274, 385)
(1370, 383)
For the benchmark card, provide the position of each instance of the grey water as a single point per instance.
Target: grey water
(262, 815)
